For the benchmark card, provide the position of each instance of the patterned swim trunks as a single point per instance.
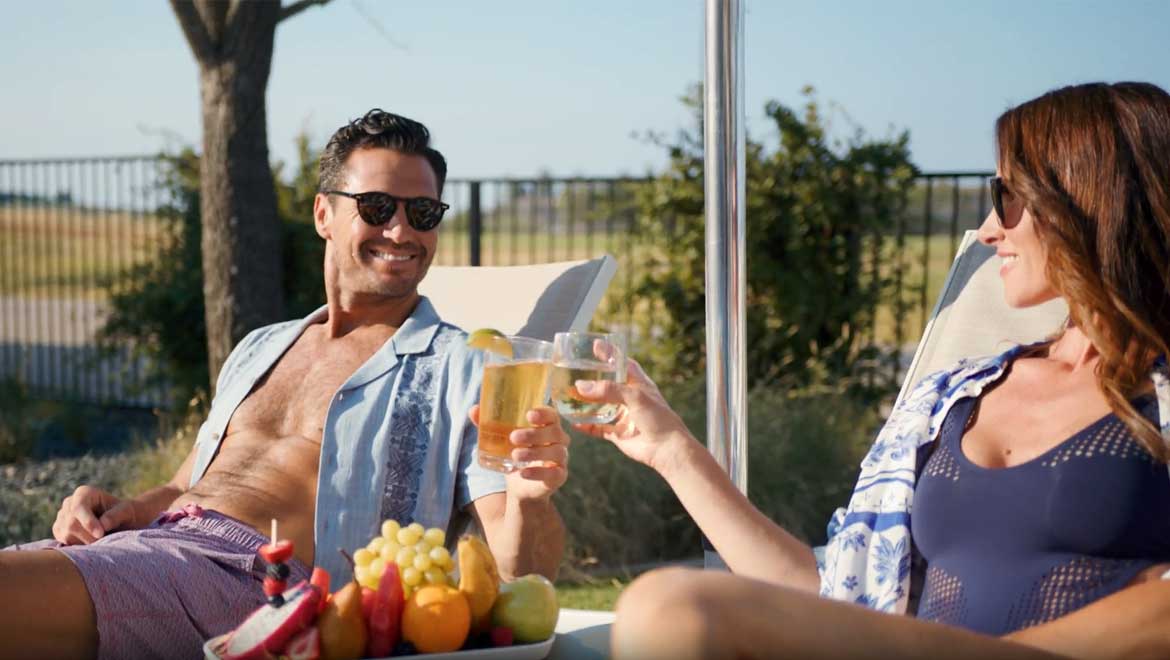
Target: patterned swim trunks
(161, 591)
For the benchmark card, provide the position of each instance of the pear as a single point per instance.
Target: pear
(479, 580)
(342, 627)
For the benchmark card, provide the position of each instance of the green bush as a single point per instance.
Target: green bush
(803, 452)
(17, 437)
(815, 211)
(160, 313)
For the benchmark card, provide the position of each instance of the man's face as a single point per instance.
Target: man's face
(389, 260)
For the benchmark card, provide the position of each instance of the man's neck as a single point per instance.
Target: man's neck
(350, 312)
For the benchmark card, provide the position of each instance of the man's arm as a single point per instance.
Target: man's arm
(523, 528)
(90, 513)
(525, 536)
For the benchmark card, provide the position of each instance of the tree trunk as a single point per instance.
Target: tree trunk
(241, 233)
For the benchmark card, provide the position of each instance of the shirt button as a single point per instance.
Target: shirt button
(340, 397)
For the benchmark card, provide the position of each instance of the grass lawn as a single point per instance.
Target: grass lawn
(67, 252)
(597, 596)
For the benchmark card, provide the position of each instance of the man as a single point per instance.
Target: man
(358, 413)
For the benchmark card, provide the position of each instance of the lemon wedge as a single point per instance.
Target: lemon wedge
(490, 340)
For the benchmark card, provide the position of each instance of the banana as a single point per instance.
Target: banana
(479, 580)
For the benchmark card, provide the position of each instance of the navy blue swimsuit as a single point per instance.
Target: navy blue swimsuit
(1013, 547)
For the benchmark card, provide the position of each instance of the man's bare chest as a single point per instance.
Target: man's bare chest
(293, 397)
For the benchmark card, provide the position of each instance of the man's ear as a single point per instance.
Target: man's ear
(321, 215)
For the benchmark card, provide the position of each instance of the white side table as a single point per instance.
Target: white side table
(582, 635)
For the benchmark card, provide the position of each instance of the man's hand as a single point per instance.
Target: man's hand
(545, 443)
(89, 514)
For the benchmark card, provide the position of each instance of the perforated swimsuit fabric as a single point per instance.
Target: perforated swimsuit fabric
(1010, 548)
(867, 559)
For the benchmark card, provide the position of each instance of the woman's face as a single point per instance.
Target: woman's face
(1022, 256)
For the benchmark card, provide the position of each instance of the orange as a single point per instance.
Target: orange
(436, 619)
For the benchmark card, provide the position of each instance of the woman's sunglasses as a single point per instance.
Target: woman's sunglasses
(377, 208)
(999, 191)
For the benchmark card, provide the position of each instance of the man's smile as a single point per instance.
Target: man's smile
(394, 256)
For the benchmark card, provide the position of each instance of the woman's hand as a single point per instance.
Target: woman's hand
(646, 429)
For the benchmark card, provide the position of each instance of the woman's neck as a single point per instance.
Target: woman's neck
(1074, 349)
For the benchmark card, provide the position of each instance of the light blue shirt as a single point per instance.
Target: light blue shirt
(396, 441)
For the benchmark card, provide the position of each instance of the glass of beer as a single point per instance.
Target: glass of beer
(586, 356)
(512, 385)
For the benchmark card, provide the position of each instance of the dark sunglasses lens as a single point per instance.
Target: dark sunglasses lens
(376, 208)
(424, 214)
(996, 185)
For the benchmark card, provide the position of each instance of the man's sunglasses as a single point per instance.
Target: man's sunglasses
(377, 208)
(999, 190)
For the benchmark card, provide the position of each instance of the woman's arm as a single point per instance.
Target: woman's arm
(649, 432)
(1131, 624)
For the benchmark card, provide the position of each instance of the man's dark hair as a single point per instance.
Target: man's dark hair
(377, 129)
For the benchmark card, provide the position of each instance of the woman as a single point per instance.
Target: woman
(1037, 478)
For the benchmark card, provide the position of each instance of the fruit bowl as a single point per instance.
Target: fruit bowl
(536, 651)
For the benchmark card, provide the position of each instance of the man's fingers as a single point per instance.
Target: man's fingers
(549, 474)
(473, 414)
(121, 514)
(552, 455)
(542, 416)
(87, 522)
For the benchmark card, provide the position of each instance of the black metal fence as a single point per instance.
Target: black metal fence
(71, 230)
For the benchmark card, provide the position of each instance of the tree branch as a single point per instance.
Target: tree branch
(288, 11)
(194, 29)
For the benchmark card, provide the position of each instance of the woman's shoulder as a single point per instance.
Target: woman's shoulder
(965, 372)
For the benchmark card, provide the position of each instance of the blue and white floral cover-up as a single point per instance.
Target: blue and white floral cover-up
(868, 555)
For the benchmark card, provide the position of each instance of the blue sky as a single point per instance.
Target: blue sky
(520, 87)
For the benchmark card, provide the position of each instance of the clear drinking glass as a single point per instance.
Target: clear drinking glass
(586, 356)
(512, 385)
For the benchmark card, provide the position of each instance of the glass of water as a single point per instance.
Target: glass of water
(586, 356)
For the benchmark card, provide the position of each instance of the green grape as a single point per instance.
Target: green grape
(390, 529)
(405, 557)
(408, 535)
(362, 557)
(435, 575)
(361, 573)
(418, 529)
(440, 557)
(435, 536)
(377, 567)
(376, 543)
(422, 562)
(422, 548)
(390, 550)
(411, 576)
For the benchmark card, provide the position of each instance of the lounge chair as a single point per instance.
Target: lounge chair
(534, 301)
(971, 318)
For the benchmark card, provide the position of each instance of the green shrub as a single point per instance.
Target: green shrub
(158, 309)
(803, 452)
(815, 210)
(17, 437)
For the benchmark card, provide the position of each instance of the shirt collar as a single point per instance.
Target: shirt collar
(416, 334)
(413, 337)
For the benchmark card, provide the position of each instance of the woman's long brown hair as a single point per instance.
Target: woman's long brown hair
(1092, 164)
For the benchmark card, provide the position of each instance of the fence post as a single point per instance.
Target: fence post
(475, 224)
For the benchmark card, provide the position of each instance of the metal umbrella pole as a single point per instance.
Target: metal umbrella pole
(725, 199)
